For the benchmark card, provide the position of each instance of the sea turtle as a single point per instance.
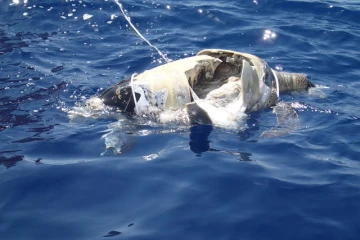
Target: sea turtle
(215, 87)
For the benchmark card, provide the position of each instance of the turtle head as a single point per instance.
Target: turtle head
(120, 96)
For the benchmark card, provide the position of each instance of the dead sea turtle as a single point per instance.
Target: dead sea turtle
(215, 87)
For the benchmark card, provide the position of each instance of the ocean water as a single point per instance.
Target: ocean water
(57, 181)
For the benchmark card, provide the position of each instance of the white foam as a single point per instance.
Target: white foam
(87, 16)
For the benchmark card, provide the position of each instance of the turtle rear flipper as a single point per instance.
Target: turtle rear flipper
(293, 81)
(287, 121)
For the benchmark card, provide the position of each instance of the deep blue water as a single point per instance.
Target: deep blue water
(176, 183)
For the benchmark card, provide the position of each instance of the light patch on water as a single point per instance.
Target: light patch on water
(298, 105)
(91, 108)
(302, 107)
(151, 157)
(269, 35)
(317, 91)
(87, 16)
(279, 68)
(321, 86)
(114, 142)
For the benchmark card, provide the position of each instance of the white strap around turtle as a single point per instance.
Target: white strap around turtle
(277, 83)
(133, 92)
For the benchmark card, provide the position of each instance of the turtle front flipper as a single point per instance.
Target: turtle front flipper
(287, 121)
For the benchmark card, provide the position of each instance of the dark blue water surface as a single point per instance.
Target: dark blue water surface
(188, 183)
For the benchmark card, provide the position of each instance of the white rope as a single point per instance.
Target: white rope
(277, 83)
(133, 92)
(138, 33)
